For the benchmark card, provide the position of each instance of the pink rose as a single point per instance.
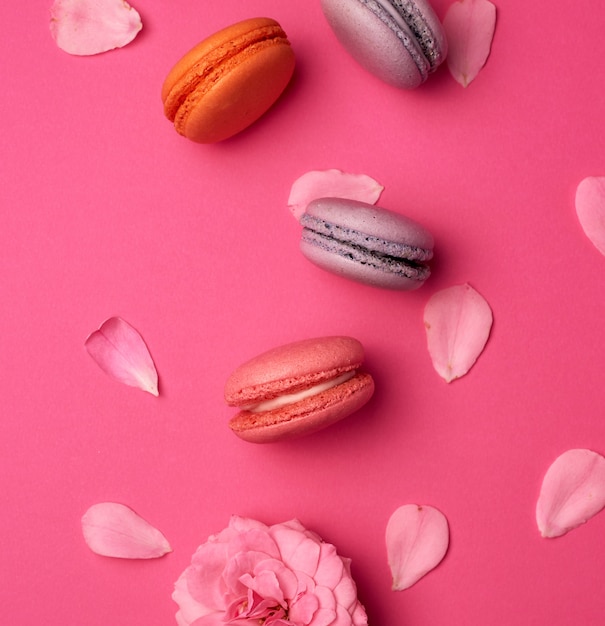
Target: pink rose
(280, 575)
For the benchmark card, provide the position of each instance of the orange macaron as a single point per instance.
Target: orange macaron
(228, 80)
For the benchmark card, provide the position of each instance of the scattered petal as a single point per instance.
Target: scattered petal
(85, 27)
(573, 491)
(121, 353)
(112, 529)
(458, 321)
(417, 539)
(469, 27)
(590, 207)
(332, 184)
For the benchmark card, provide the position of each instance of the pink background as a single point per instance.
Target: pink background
(107, 211)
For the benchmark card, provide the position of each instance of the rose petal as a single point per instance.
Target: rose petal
(573, 491)
(113, 529)
(305, 609)
(458, 321)
(121, 353)
(469, 27)
(332, 184)
(85, 27)
(298, 550)
(331, 568)
(417, 538)
(590, 207)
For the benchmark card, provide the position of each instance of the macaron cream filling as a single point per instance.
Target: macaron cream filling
(291, 398)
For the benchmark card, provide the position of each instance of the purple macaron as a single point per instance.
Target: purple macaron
(399, 41)
(366, 244)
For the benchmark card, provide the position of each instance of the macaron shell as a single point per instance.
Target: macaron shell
(372, 42)
(292, 367)
(305, 417)
(244, 94)
(372, 221)
(208, 53)
(229, 80)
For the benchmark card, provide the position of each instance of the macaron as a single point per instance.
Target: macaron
(366, 243)
(229, 80)
(298, 389)
(399, 41)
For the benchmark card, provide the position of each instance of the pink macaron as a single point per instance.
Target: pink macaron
(400, 41)
(298, 389)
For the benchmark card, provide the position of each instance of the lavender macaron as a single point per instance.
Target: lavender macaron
(399, 41)
(366, 243)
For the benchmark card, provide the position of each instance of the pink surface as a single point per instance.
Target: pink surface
(107, 211)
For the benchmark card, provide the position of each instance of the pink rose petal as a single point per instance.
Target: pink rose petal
(332, 184)
(121, 353)
(469, 26)
(85, 27)
(417, 538)
(458, 321)
(573, 491)
(112, 529)
(590, 207)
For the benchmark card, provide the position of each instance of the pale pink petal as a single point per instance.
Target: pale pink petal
(265, 584)
(458, 321)
(590, 207)
(469, 26)
(332, 184)
(417, 538)
(573, 491)
(121, 353)
(304, 611)
(113, 529)
(331, 568)
(85, 27)
(298, 551)
(346, 592)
